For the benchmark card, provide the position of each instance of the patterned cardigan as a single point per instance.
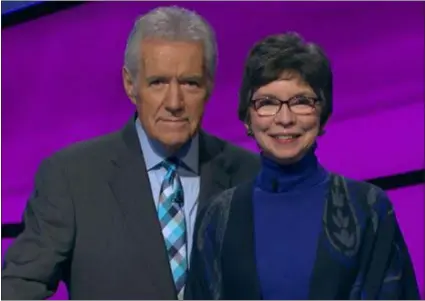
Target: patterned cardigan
(361, 253)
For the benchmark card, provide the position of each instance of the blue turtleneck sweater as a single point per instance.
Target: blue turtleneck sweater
(288, 209)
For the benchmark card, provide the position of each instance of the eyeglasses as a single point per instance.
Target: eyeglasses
(270, 106)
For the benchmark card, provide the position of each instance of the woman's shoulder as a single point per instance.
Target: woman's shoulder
(363, 193)
(352, 208)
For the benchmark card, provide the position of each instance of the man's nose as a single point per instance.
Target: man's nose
(174, 99)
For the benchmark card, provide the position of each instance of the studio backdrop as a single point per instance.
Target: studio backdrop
(61, 83)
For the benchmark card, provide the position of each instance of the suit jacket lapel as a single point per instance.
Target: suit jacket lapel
(131, 187)
(213, 174)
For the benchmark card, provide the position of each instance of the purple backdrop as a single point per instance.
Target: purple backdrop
(61, 83)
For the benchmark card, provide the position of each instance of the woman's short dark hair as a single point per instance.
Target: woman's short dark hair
(276, 54)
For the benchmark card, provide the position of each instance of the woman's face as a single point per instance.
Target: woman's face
(286, 136)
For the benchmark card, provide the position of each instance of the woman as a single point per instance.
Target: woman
(296, 231)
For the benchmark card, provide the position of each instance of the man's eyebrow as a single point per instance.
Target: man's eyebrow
(156, 77)
(197, 77)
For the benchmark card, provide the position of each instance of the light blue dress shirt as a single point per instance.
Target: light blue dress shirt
(154, 154)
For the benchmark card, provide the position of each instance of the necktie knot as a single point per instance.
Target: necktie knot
(172, 180)
(170, 164)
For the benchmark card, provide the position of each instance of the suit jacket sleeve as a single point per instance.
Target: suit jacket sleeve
(34, 262)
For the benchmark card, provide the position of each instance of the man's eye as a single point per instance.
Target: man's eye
(157, 82)
(192, 83)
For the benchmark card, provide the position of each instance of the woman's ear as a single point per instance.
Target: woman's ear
(248, 130)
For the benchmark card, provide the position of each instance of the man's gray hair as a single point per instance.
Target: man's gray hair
(171, 23)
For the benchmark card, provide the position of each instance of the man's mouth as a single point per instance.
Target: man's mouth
(174, 120)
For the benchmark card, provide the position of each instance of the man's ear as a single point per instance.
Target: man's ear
(128, 84)
(210, 87)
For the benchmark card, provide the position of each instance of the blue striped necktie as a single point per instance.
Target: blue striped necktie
(171, 217)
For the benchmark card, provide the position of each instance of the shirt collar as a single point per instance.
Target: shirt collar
(154, 153)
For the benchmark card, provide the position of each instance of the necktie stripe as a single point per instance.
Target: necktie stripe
(171, 217)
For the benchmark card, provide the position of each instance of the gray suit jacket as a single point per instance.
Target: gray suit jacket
(91, 220)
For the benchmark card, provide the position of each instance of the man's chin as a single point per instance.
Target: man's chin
(173, 141)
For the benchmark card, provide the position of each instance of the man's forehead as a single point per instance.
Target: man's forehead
(172, 57)
(161, 47)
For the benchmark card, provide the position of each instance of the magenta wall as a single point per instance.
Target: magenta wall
(61, 83)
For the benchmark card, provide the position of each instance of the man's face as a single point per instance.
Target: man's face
(170, 90)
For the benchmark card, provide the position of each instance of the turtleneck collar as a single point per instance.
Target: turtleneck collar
(303, 174)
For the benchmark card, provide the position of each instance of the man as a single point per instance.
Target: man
(113, 217)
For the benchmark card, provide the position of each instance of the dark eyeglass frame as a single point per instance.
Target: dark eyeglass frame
(289, 102)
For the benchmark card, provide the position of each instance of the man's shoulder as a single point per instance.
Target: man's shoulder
(236, 158)
(90, 150)
(238, 153)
